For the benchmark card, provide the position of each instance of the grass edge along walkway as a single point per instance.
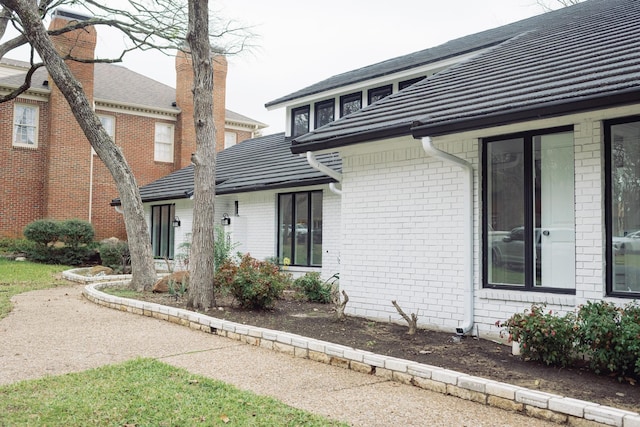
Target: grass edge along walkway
(17, 277)
(143, 392)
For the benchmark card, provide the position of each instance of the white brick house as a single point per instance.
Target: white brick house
(477, 177)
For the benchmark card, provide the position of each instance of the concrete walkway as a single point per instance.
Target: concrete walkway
(57, 331)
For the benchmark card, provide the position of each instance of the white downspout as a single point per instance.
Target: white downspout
(467, 230)
(314, 163)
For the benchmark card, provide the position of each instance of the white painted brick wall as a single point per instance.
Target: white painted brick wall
(258, 211)
(402, 228)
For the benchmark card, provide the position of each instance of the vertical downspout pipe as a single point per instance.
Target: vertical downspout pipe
(314, 163)
(467, 213)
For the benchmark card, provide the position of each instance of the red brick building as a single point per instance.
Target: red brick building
(48, 167)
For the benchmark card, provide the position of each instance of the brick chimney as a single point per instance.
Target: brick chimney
(185, 131)
(68, 151)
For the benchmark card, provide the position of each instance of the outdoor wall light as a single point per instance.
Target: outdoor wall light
(225, 219)
(176, 221)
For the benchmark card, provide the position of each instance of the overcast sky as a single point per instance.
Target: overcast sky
(303, 42)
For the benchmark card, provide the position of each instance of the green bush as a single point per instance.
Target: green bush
(44, 232)
(312, 288)
(13, 246)
(75, 232)
(543, 336)
(609, 337)
(223, 247)
(255, 284)
(115, 255)
(605, 335)
(60, 242)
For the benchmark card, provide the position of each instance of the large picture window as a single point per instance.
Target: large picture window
(529, 211)
(300, 228)
(622, 156)
(162, 231)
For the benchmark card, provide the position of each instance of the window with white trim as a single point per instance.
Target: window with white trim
(230, 139)
(25, 125)
(163, 146)
(109, 124)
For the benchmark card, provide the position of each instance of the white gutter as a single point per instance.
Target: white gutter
(314, 163)
(467, 230)
(334, 189)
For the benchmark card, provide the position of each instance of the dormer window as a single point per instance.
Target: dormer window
(407, 83)
(300, 121)
(350, 103)
(378, 93)
(324, 112)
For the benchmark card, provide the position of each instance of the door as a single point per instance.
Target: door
(554, 231)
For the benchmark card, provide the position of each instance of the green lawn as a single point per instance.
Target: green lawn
(142, 392)
(17, 277)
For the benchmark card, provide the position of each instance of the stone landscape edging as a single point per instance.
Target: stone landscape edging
(552, 407)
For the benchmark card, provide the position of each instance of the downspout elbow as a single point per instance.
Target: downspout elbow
(427, 146)
(314, 163)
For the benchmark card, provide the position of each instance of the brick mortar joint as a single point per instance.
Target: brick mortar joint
(93, 293)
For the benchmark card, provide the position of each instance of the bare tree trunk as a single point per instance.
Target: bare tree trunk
(138, 234)
(201, 262)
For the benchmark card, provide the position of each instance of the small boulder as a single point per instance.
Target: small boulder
(177, 277)
(100, 270)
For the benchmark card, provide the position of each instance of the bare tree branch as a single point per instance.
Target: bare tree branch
(24, 87)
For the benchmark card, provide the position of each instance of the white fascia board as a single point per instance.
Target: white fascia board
(136, 109)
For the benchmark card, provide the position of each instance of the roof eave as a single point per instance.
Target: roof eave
(343, 141)
(277, 186)
(117, 202)
(421, 129)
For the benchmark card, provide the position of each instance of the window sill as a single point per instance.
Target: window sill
(526, 296)
(25, 147)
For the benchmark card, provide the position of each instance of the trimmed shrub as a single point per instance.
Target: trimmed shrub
(75, 237)
(543, 336)
(115, 254)
(312, 288)
(609, 336)
(75, 232)
(44, 232)
(605, 335)
(253, 283)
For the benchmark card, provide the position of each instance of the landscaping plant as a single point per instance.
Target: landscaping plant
(115, 255)
(312, 288)
(253, 283)
(610, 337)
(543, 336)
(60, 242)
(605, 335)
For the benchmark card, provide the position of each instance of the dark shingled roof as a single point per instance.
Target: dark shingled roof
(263, 163)
(119, 85)
(452, 48)
(582, 57)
